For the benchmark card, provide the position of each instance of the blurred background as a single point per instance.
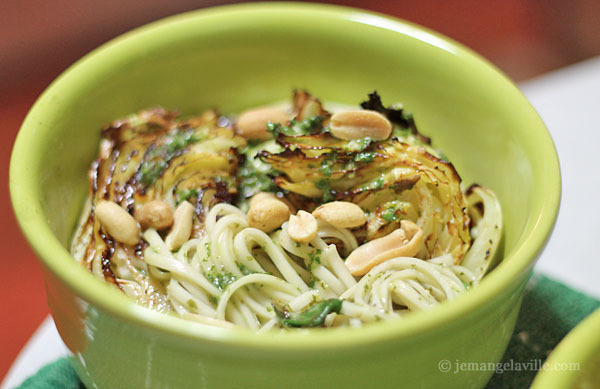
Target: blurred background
(39, 39)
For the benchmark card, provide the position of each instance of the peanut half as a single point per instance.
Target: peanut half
(252, 124)
(260, 196)
(359, 124)
(341, 214)
(155, 214)
(182, 226)
(117, 222)
(266, 212)
(403, 242)
(302, 227)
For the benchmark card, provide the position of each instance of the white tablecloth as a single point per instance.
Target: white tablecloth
(569, 102)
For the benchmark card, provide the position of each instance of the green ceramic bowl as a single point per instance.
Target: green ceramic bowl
(239, 56)
(575, 362)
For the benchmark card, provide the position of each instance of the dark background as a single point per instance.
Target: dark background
(41, 38)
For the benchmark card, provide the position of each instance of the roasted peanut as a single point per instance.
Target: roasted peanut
(302, 227)
(155, 214)
(341, 214)
(359, 124)
(117, 222)
(182, 226)
(260, 196)
(252, 124)
(403, 242)
(267, 212)
(266, 195)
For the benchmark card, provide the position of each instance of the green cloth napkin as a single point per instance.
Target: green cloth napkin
(58, 374)
(549, 310)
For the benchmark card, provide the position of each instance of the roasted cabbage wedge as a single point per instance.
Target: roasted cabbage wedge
(402, 177)
(153, 155)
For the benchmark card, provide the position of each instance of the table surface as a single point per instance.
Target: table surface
(568, 101)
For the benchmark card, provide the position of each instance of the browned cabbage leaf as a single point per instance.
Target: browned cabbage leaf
(398, 178)
(153, 155)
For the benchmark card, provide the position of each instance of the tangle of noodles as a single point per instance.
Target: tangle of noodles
(231, 274)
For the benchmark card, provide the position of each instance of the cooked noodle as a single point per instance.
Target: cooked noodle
(231, 274)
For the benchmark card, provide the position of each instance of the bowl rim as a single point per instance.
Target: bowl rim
(51, 253)
(578, 347)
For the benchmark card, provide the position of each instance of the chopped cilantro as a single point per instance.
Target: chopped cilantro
(222, 280)
(295, 127)
(255, 175)
(358, 144)
(311, 123)
(377, 183)
(150, 171)
(315, 257)
(392, 210)
(244, 269)
(365, 156)
(324, 186)
(180, 140)
(326, 169)
(185, 194)
(252, 181)
(157, 159)
(274, 128)
(388, 214)
(402, 133)
(327, 166)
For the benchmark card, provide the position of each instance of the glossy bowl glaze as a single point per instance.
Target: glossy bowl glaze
(238, 56)
(575, 362)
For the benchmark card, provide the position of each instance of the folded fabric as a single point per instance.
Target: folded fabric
(548, 312)
(58, 374)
